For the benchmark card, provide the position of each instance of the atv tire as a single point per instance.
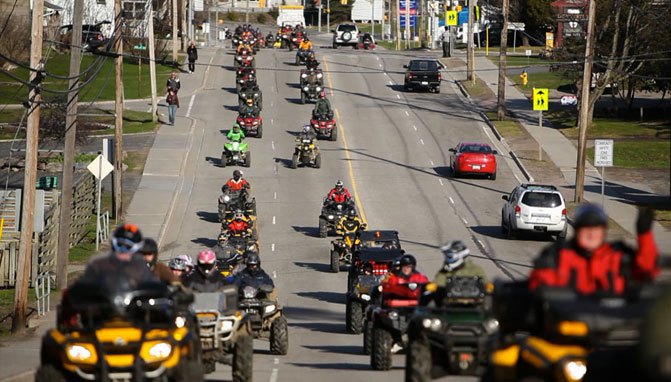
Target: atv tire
(380, 356)
(335, 262)
(298, 60)
(209, 366)
(242, 358)
(323, 229)
(223, 160)
(279, 336)
(187, 371)
(49, 373)
(248, 159)
(367, 337)
(302, 98)
(354, 317)
(418, 362)
(334, 134)
(318, 161)
(259, 132)
(294, 162)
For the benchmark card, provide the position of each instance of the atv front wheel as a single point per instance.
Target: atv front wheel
(248, 159)
(298, 60)
(418, 360)
(302, 98)
(259, 132)
(367, 337)
(242, 358)
(223, 160)
(318, 161)
(49, 373)
(279, 336)
(187, 371)
(294, 162)
(355, 317)
(323, 230)
(334, 135)
(380, 356)
(209, 366)
(335, 260)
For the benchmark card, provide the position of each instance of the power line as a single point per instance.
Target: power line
(7, 20)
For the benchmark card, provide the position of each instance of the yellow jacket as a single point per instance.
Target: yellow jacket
(305, 45)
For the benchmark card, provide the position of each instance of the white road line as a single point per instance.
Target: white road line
(275, 195)
(441, 182)
(464, 220)
(272, 144)
(274, 274)
(188, 110)
(272, 121)
(276, 361)
(273, 219)
(272, 247)
(273, 375)
(391, 82)
(414, 127)
(480, 242)
(152, 174)
(517, 177)
(377, 58)
(421, 141)
(380, 65)
(432, 164)
(398, 96)
(451, 200)
(487, 133)
(407, 114)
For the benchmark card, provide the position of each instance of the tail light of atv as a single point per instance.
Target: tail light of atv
(380, 269)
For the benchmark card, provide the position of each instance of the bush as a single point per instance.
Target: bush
(262, 18)
(232, 16)
(15, 42)
(274, 13)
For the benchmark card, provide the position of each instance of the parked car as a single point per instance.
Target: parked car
(534, 208)
(92, 35)
(568, 100)
(345, 34)
(422, 74)
(473, 158)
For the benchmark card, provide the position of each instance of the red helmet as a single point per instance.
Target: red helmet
(322, 94)
(206, 261)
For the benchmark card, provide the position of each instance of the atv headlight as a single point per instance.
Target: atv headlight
(319, 75)
(365, 297)
(160, 350)
(180, 322)
(256, 94)
(432, 323)
(226, 326)
(227, 198)
(81, 353)
(269, 309)
(393, 315)
(330, 217)
(574, 370)
(304, 75)
(306, 88)
(491, 326)
(319, 89)
(249, 292)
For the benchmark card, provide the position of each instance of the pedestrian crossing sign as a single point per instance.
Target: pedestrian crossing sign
(540, 99)
(451, 18)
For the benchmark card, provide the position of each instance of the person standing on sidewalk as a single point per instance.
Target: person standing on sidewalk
(192, 54)
(173, 83)
(445, 42)
(173, 104)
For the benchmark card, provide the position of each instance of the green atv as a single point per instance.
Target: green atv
(236, 153)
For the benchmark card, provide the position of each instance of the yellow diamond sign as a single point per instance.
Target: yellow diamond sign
(540, 99)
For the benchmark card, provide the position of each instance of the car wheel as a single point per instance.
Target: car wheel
(279, 336)
(455, 172)
(562, 235)
(355, 317)
(418, 361)
(504, 228)
(511, 231)
(335, 45)
(367, 337)
(437, 89)
(335, 257)
(380, 357)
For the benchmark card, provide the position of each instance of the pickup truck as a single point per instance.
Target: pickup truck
(423, 74)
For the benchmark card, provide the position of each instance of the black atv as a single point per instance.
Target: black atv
(450, 332)
(266, 315)
(254, 93)
(230, 201)
(359, 296)
(331, 214)
(311, 83)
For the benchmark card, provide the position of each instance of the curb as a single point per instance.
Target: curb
(498, 135)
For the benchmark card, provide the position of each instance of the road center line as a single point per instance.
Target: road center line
(272, 144)
(432, 164)
(272, 247)
(451, 200)
(398, 96)
(273, 375)
(465, 221)
(188, 110)
(407, 114)
(414, 127)
(273, 219)
(441, 182)
(391, 82)
(276, 361)
(421, 141)
(275, 195)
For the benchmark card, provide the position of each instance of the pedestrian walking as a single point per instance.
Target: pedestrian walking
(192, 54)
(173, 104)
(173, 83)
(445, 42)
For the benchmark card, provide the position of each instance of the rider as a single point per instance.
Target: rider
(349, 225)
(393, 287)
(255, 276)
(305, 45)
(249, 108)
(339, 194)
(235, 134)
(238, 226)
(236, 183)
(322, 108)
(206, 278)
(242, 47)
(311, 61)
(178, 266)
(589, 264)
(456, 264)
(150, 253)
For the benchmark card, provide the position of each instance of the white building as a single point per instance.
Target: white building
(362, 10)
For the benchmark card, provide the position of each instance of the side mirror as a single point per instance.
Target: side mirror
(504, 197)
(405, 66)
(452, 150)
(495, 152)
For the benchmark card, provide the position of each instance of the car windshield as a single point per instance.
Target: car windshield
(480, 149)
(424, 66)
(386, 244)
(541, 199)
(346, 28)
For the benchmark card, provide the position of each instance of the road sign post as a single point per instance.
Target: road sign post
(603, 157)
(100, 168)
(540, 100)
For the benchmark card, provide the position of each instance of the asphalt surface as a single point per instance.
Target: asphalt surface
(392, 153)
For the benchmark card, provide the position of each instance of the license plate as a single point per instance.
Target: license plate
(425, 82)
(476, 167)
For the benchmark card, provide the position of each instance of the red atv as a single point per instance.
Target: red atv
(325, 126)
(245, 59)
(251, 124)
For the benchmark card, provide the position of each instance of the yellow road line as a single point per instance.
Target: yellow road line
(355, 190)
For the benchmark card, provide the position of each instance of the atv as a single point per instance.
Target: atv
(236, 153)
(225, 332)
(359, 296)
(251, 124)
(245, 60)
(325, 126)
(295, 41)
(230, 201)
(143, 332)
(240, 73)
(306, 153)
(450, 332)
(301, 55)
(254, 93)
(331, 214)
(245, 84)
(311, 83)
(266, 316)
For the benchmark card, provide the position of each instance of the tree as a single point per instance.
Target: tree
(536, 15)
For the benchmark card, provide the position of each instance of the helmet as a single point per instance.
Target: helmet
(590, 215)
(236, 126)
(351, 214)
(177, 264)
(150, 248)
(222, 237)
(339, 185)
(127, 238)
(237, 174)
(250, 102)
(253, 259)
(322, 94)
(407, 260)
(187, 260)
(239, 215)
(206, 261)
(455, 253)
(306, 128)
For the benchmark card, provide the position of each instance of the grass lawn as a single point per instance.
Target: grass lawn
(609, 127)
(7, 307)
(521, 61)
(509, 128)
(101, 88)
(549, 80)
(642, 154)
(477, 90)
(133, 122)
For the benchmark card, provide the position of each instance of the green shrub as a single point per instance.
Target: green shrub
(232, 16)
(261, 18)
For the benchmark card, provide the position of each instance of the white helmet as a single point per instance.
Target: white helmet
(306, 128)
(455, 253)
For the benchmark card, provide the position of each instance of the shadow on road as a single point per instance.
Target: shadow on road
(494, 231)
(322, 327)
(207, 216)
(230, 90)
(307, 231)
(285, 162)
(319, 267)
(332, 297)
(334, 366)
(296, 313)
(216, 162)
(207, 242)
(295, 101)
(338, 349)
(293, 85)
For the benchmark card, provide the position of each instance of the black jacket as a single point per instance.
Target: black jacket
(192, 52)
(109, 272)
(255, 278)
(213, 282)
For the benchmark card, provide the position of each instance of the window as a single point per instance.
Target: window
(347, 28)
(424, 66)
(541, 199)
(478, 149)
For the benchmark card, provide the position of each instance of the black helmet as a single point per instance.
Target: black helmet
(150, 248)
(253, 259)
(237, 174)
(127, 238)
(590, 215)
(351, 214)
(408, 260)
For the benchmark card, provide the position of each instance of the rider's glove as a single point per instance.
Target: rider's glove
(644, 221)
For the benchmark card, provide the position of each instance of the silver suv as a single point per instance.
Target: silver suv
(345, 34)
(535, 208)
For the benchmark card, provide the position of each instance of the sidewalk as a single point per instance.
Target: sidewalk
(563, 153)
(150, 209)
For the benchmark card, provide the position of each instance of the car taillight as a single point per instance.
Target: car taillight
(439, 77)
(409, 75)
(518, 210)
(563, 214)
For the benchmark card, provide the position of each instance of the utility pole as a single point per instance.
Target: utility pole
(69, 149)
(583, 113)
(328, 15)
(398, 24)
(192, 31)
(174, 30)
(152, 62)
(247, 13)
(422, 6)
(118, 110)
(32, 135)
(372, 18)
(469, 43)
(501, 102)
(185, 27)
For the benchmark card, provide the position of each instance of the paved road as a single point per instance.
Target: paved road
(392, 153)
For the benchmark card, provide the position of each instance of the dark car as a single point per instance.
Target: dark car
(92, 36)
(423, 74)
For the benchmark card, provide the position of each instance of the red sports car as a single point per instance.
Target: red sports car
(473, 158)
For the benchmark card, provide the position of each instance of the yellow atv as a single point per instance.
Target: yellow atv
(141, 334)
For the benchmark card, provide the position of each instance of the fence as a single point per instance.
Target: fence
(45, 243)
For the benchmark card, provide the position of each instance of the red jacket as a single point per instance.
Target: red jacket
(238, 227)
(237, 186)
(607, 269)
(394, 287)
(339, 197)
